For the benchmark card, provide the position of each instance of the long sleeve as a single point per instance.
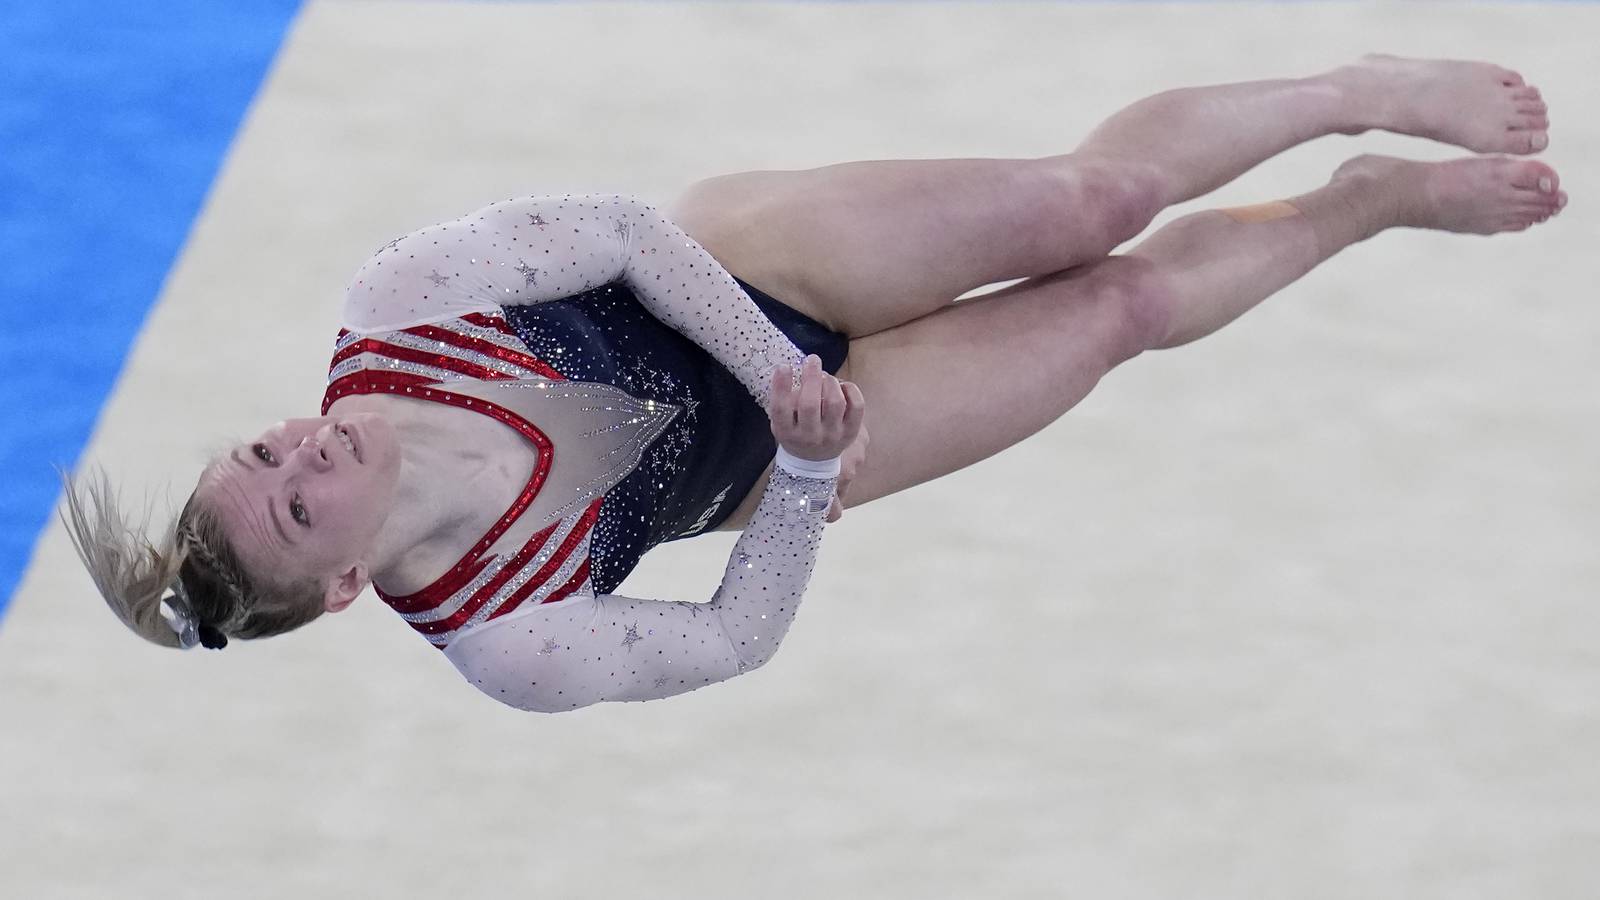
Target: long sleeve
(535, 249)
(586, 650)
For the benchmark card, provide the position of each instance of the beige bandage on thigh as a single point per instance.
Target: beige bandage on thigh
(1262, 212)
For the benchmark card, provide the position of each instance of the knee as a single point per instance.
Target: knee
(1123, 198)
(1138, 298)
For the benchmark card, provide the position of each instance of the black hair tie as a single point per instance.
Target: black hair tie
(211, 638)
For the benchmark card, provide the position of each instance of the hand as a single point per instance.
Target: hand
(820, 417)
(849, 464)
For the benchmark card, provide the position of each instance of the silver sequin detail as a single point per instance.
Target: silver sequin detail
(350, 337)
(459, 599)
(412, 342)
(372, 361)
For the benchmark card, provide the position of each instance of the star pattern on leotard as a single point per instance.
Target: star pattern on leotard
(631, 636)
(642, 380)
(550, 646)
(768, 364)
(765, 358)
(529, 274)
(623, 229)
(661, 681)
(538, 220)
(437, 279)
(674, 444)
(390, 245)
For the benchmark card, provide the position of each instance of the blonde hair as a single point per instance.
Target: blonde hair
(134, 574)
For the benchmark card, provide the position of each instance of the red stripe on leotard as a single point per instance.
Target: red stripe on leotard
(486, 593)
(410, 354)
(487, 348)
(498, 323)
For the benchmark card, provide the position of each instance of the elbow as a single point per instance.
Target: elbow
(749, 658)
(542, 704)
(539, 695)
(751, 643)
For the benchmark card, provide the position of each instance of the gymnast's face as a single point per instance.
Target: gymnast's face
(299, 500)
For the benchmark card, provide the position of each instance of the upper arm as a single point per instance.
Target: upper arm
(534, 249)
(592, 649)
(524, 250)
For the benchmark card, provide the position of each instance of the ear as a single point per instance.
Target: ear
(344, 589)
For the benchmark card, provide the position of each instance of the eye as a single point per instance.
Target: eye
(297, 511)
(262, 452)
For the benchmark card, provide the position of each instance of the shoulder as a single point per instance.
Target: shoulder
(375, 318)
(409, 282)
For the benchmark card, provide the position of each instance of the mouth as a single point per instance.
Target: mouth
(347, 437)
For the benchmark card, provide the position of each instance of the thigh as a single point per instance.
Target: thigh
(960, 385)
(867, 246)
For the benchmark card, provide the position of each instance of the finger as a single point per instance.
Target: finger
(856, 410)
(833, 402)
(781, 403)
(835, 510)
(810, 400)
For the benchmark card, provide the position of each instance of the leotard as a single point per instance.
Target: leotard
(448, 314)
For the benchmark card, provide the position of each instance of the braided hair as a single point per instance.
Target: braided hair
(193, 560)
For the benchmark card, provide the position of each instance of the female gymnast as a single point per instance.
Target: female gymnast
(526, 399)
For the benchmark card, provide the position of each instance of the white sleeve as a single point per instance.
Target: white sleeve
(592, 649)
(535, 249)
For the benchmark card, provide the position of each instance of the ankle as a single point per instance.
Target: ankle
(1356, 99)
(1349, 210)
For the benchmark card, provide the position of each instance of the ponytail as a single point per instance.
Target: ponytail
(132, 573)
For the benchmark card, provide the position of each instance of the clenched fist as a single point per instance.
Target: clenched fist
(819, 418)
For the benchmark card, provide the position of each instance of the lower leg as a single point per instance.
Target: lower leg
(1197, 139)
(1194, 140)
(1221, 263)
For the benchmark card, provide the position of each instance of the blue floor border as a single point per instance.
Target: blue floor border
(114, 118)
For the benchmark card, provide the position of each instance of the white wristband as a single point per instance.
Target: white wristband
(808, 468)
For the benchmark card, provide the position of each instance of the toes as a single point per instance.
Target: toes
(1535, 176)
(1529, 108)
(1525, 134)
(1527, 94)
(1528, 141)
(1510, 78)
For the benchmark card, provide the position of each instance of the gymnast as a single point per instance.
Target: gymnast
(525, 400)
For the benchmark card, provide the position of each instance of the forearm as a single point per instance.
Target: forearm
(771, 565)
(688, 289)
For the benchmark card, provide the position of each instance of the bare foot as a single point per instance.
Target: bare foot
(1485, 195)
(1479, 106)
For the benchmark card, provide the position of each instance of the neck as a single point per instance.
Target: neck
(427, 514)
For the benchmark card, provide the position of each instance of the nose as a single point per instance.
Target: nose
(311, 450)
